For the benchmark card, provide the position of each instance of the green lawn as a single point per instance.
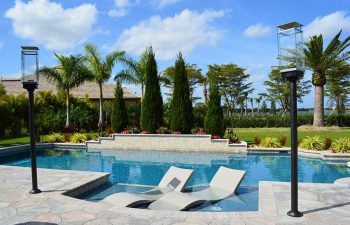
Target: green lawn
(248, 134)
(14, 141)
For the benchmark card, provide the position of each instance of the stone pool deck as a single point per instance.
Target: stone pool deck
(321, 203)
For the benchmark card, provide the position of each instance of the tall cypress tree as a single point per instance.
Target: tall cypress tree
(214, 120)
(119, 117)
(152, 104)
(181, 104)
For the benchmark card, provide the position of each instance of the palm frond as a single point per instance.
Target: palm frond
(93, 59)
(128, 76)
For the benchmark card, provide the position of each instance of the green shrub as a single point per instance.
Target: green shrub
(312, 143)
(181, 118)
(82, 130)
(214, 120)
(257, 140)
(24, 131)
(327, 143)
(197, 130)
(133, 130)
(55, 138)
(283, 140)
(163, 130)
(270, 142)
(8, 133)
(282, 121)
(199, 112)
(119, 117)
(152, 103)
(231, 135)
(78, 138)
(342, 145)
(88, 137)
(67, 137)
(134, 113)
(341, 120)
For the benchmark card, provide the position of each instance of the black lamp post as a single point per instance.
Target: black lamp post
(30, 79)
(290, 55)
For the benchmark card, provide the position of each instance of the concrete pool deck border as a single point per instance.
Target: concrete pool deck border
(324, 155)
(321, 203)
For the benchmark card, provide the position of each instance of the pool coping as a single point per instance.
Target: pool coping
(5, 151)
(324, 155)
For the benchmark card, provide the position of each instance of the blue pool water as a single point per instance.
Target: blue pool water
(148, 167)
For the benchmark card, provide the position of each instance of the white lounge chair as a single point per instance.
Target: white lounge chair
(175, 179)
(223, 185)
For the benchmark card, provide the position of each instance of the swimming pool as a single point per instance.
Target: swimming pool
(130, 169)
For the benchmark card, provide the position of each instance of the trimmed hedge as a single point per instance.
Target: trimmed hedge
(283, 121)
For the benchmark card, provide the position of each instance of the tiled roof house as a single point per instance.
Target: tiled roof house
(14, 87)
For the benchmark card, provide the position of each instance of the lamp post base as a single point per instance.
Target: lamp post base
(35, 191)
(295, 214)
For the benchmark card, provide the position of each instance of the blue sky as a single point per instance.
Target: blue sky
(207, 32)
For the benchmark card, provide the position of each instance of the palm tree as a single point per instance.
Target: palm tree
(320, 61)
(258, 100)
(338, 87)
(102, 69)
(70, 73)
(246, 104)
(135, 74)
(252, 104)
(204, 82)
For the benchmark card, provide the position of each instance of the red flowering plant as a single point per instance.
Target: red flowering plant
(110, 132)
(198, 131)
(231, 136)
(71, 129)
(104, 131)
(145, 132)
(175, 132)
(163, 130)
(201, 132)
(133, 130)
(126, 131)
(215, 136)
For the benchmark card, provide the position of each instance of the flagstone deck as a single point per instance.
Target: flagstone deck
(321, 203)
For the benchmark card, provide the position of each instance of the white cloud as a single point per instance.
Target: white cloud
(168, 36)
(121, 3)
(257, 73)
(328, 25)
(1, 44)
(121, 8)
(49, 24)
(101, 31)
(254, 67)
(117, 12)
(256, 31)
(162, 3)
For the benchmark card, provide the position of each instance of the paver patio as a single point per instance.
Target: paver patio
(321, 203)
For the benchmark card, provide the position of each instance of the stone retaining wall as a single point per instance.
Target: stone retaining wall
(183, 142)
